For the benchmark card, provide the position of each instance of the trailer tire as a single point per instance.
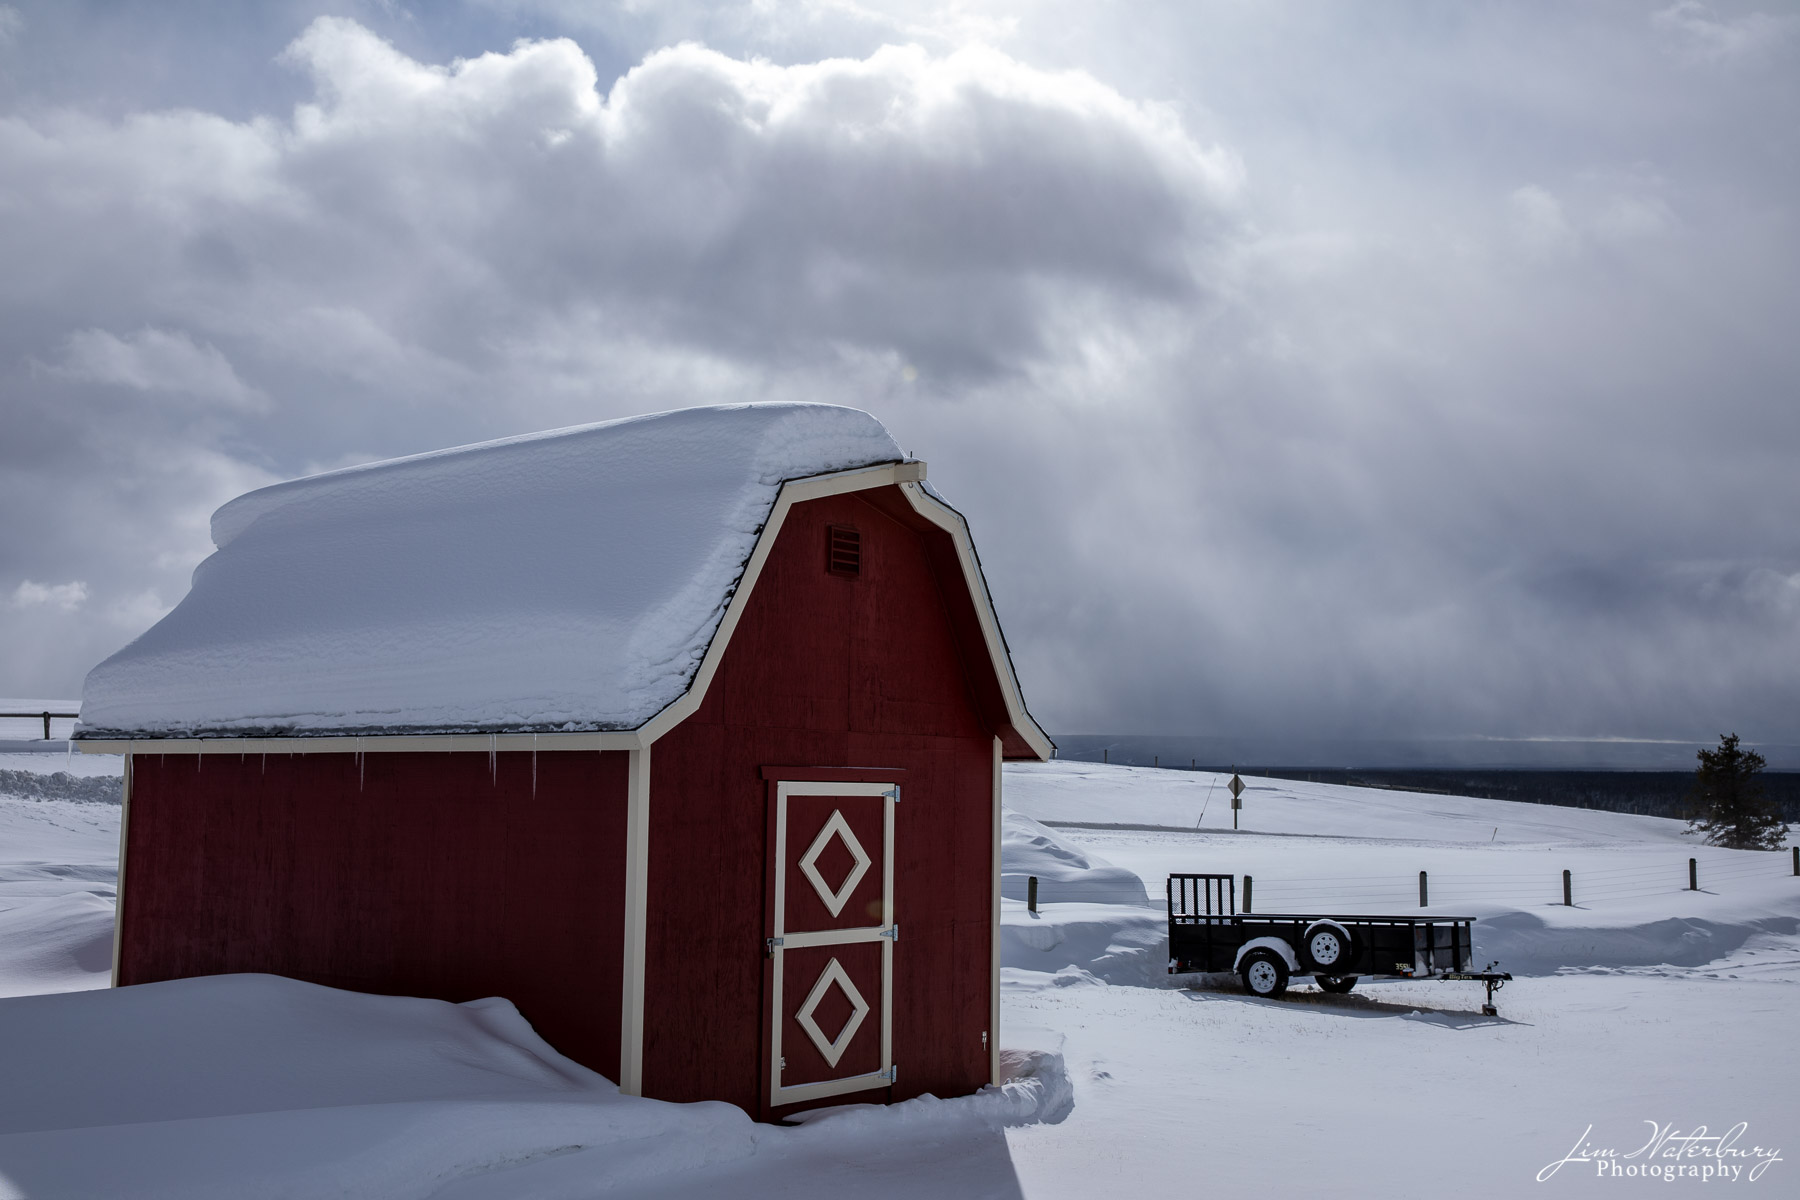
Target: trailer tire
(1327, 948)
(1263, 973)
(1337, 985)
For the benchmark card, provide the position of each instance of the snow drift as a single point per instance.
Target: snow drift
(1064, 871)
(58, 868)
(568, 580)
(56, 943)
(252, 1084)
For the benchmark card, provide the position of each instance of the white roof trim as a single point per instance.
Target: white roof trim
(948, 519)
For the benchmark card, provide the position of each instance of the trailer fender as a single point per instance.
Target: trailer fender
(1278, 945)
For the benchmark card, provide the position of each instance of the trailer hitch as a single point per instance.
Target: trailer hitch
(1495, 980)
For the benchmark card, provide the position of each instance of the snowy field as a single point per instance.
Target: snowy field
(1643, 1003)
(58, 864)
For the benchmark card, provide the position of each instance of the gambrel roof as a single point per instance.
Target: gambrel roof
(572, 581)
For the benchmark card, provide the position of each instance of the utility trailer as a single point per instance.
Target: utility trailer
(1208, 934)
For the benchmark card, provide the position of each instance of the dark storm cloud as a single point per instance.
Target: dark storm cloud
(1362, 372)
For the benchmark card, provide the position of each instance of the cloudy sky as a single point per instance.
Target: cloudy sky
(1360, 371)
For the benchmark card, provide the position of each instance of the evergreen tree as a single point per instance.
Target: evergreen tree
(1728, 802)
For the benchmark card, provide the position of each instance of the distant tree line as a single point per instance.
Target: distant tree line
(1649, 793)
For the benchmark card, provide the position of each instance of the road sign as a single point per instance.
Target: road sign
(1237, 786)
(1237, 790)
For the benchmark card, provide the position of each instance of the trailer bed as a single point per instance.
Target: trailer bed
(1208, 934)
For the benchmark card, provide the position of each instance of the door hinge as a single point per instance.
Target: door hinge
(892, 932)
(893, 793)
(769, 945)
(892, 1074)
(784, 1064)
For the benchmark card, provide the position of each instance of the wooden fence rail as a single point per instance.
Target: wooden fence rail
(46, 715)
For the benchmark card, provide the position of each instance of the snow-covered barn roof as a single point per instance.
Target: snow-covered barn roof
(564, 581)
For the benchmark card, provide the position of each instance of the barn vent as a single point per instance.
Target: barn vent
(843, 551)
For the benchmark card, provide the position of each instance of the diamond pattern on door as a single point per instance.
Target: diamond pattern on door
(832, 1048)
(834, 898)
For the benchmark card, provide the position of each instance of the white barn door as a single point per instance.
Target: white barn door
(833, 940)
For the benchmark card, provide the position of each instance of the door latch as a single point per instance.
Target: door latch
(769, 945)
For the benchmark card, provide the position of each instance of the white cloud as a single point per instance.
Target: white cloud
(157, 360)
(1630, 216)
(138, 611)
(12, 24)
(943, 204)
(1701, 32)
(414, 219)
(64, 596)
(1539, 222)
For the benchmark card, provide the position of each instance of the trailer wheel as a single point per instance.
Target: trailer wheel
(1327, 948)
(1335, 984)
(1263, 973)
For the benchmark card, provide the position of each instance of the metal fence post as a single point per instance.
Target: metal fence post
(1031, 893)
(1423, 895)
(1568, 890)
(1693, 875)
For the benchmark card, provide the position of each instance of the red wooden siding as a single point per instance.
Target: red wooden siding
(405, 874)
(825, 670)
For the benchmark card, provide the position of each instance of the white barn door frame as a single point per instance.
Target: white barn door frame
(833, 896)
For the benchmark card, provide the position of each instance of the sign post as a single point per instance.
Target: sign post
(1237, 790)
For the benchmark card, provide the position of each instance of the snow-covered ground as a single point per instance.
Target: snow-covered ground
(1644, 1002)
(59, 862)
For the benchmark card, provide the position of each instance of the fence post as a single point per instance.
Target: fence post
(1797, 860)
(1031, 892)
(1568, 891)
(46, 727)
(1423, 902)
(1246, 893)
(1105, 754)
(1693, 875)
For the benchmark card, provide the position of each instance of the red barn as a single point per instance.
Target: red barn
(682, 732)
